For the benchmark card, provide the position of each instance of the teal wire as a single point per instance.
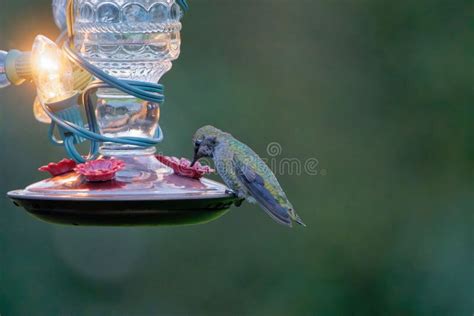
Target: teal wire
(183, 4)
(152, 92)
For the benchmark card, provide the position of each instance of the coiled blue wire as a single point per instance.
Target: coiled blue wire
(183, 4)
(152, 92)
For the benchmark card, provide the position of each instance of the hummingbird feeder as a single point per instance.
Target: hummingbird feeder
(98, 83)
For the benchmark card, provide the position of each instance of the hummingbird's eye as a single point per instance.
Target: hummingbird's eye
(198, 143)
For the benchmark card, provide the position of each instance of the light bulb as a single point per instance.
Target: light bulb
(52, 71)
(81, 80)
(54, 78)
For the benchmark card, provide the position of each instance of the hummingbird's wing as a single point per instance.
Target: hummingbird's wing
(255, 185)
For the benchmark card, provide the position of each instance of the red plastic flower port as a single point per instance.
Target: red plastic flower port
(182, 167)
(100, 170)
(59, 168)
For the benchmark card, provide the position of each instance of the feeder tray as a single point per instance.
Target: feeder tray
(122, 116)
(145, 193)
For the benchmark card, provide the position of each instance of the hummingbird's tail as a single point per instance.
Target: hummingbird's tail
(296, 218)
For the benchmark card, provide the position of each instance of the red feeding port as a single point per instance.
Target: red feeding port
(182, 167)
(100, 170)
(59, 168)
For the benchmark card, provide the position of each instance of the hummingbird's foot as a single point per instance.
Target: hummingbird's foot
(239, 200)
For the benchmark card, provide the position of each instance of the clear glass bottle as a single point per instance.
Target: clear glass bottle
(129, 40)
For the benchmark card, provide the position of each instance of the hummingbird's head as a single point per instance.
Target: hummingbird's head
(205, 141)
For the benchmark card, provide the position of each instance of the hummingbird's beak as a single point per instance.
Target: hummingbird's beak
(196, 156)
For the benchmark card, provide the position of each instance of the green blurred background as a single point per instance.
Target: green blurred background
(380, 92)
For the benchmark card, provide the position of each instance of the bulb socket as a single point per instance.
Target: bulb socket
(68, 110)
(58, 106)
(18, 67)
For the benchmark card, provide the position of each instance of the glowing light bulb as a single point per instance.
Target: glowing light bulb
(54, 78)
(81, 81)
(52, 71)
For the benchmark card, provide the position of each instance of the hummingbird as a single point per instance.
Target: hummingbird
(244, 172)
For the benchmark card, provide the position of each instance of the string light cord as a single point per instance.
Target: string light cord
(152, 92)
(183, 4)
